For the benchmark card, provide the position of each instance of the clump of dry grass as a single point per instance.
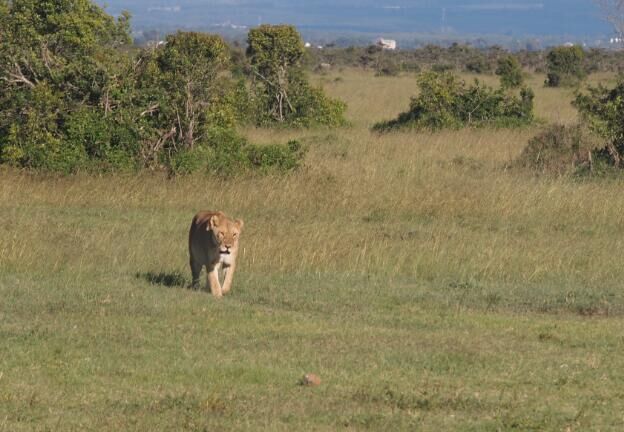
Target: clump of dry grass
(560, 150)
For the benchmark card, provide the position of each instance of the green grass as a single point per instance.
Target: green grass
(430, 287)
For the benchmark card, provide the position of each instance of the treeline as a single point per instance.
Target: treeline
(456, 57)
(76, 95)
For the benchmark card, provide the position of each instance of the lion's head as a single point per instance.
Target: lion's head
(226, 232)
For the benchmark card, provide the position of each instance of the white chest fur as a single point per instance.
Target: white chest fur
(226, 259)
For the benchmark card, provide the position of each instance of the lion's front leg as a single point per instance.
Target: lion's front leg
(213, 282)
(229, 275)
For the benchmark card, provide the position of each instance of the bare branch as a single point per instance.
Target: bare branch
(149, 152)
(265, 79)
(18, 76)
(151, 109)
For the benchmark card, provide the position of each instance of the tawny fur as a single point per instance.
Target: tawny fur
(213, 242)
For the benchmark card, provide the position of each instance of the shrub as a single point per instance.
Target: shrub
(73, 97)
(227, 153)
(387, 67)
(445, 101)
(282, 93)
(559, 150)
(276, 157)
(190, 161)
(565, 66)
(601, 108)
(510, 72)
(315, 108)
(442, 67)
(106, 144)
(51, 65)
(478, 65)
(32, 139)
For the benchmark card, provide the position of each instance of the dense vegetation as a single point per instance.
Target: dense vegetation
(560, 150)
(75, 95)
(457, 57)
(445, 101)
(510, 72)
(565, 66)
(602, 109)
(281, 89)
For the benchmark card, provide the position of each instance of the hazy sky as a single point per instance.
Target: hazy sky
(519, 18)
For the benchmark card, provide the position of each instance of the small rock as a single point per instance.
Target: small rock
(310, 379)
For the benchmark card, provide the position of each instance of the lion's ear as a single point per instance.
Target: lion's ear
(214, 221)
(239, 223)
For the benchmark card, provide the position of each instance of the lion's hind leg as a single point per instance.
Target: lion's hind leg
(195, 271)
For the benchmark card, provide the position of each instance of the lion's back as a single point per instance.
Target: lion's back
(201, 248)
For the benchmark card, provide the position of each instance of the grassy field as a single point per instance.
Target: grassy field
(428, 285)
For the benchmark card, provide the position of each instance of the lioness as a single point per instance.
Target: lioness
(213, 242)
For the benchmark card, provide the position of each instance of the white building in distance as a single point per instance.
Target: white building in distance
(389, 44)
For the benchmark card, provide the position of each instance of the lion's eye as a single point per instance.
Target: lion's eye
(234, 235)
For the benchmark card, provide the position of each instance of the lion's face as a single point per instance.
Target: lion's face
(226, 232)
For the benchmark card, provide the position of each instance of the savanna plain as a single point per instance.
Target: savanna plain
(429, 283)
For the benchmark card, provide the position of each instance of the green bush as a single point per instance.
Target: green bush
(276, 157)
(445, 101)
(56, 57)
(227, 153)
(106, 144)
(442, 67)
(565, 66)
(35, 138)
(478, 65)
(560, 150)
(510, 72)
(282, 93)
(74, 97)
(387, 67)
(601, 108)
(315, 108)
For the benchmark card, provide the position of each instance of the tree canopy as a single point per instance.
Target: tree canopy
(75, 94)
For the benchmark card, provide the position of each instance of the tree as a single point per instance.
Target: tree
(55, 55)
(565, 66)
(283, 94)
(187, 107)
(54, 40)
(601, 108)
(275, 54)
(183, 77)
(73, 96)
(510, 72)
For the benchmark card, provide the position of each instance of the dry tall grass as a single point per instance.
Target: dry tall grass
(427, 206)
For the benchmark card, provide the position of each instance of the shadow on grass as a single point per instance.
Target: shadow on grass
(172, 280)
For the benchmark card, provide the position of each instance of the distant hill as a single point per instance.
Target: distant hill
(578, 19)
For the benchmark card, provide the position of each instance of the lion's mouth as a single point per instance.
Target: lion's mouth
(226, 252)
